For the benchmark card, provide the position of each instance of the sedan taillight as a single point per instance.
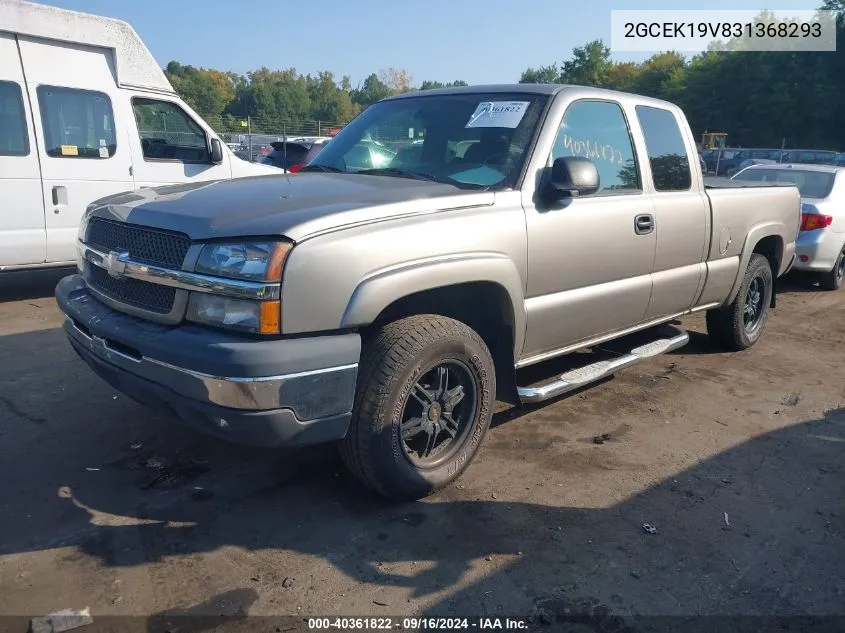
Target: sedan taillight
(813, 221)
(295, 168)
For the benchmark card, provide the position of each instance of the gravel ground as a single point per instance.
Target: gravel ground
(735, 459)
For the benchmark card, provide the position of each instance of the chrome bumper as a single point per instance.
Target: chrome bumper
(310, 394)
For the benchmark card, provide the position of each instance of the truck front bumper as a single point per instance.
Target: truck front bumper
(283, 392)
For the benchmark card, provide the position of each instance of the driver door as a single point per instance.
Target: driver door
(590, 259)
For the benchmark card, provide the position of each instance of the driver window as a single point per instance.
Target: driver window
(598, 130)
(168, 133)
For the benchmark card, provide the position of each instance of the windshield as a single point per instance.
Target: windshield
(811, 184)
(472, 140)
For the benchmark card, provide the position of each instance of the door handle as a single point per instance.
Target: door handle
(643, 224)
(59, 195)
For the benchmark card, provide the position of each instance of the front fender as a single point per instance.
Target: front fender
(382, 288)
(754, 236)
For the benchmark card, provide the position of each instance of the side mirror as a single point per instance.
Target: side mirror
(216, 151)
(572, 176)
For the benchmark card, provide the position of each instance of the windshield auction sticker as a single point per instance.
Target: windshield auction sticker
(498, 114)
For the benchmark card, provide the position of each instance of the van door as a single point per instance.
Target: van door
(23, 239)
(82, 143)
(170, 145)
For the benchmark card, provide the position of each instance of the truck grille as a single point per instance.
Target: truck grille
(141, 294)
(149, 246)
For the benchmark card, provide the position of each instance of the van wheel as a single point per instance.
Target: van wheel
(426, 388)
(738, 326)
(833, 280)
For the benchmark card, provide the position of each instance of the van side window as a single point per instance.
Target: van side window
(14, 139)
(598, 130)
(168, 133)
(77, 123)
(670, 169)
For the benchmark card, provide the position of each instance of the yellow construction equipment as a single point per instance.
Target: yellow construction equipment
(711, 140)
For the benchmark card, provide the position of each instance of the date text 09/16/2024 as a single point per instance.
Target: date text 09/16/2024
(415, 624)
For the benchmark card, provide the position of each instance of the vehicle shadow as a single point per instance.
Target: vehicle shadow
(700, 344)
(752, 530)
(798, 282)
(31, 284)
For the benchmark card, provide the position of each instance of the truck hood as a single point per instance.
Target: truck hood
(297, 206)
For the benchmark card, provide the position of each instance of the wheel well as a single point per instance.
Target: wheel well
(484, 306)
(771, 248)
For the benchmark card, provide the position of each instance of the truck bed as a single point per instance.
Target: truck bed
(738, 207)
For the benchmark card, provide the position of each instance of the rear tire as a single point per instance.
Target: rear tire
(739, 325)
(425, 396)
(833, 279)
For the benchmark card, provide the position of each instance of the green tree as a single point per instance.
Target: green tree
(275, 95)
(656, 71)
(431, 85)
(542, 75)
(206, 91)
(373, 89)
(328, 101)
(589, 66)
(623, 76)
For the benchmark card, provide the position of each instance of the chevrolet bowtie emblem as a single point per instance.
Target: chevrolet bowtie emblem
(115, 263)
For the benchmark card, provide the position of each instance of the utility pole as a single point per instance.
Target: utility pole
(249, 135)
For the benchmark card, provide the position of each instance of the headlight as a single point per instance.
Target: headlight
(249, 261)
(260, 261)
(255, 317)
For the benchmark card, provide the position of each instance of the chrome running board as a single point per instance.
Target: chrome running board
(581, 376)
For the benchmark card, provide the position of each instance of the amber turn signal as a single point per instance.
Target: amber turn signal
(271, 317)
(276, 264)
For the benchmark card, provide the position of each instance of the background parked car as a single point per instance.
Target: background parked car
(753, 161)
(820, 247)
(722, 161)
(293, 156)
(809, 156)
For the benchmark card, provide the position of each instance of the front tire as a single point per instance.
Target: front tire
(424, 401)
(833, 280)
(740, 324)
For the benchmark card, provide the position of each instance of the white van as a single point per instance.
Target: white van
(85, 111)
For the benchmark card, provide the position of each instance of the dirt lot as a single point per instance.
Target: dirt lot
(735, 459)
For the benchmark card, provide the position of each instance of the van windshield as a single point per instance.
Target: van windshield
(471, 140)
(811, 184)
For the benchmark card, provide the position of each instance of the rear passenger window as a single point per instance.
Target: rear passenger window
(598, 130)
(168, 133)
(667, 153)
(77, 123)
(14, 140)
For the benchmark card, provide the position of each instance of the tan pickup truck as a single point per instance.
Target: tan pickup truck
(387, 294)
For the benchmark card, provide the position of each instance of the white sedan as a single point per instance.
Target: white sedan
(820, 247)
